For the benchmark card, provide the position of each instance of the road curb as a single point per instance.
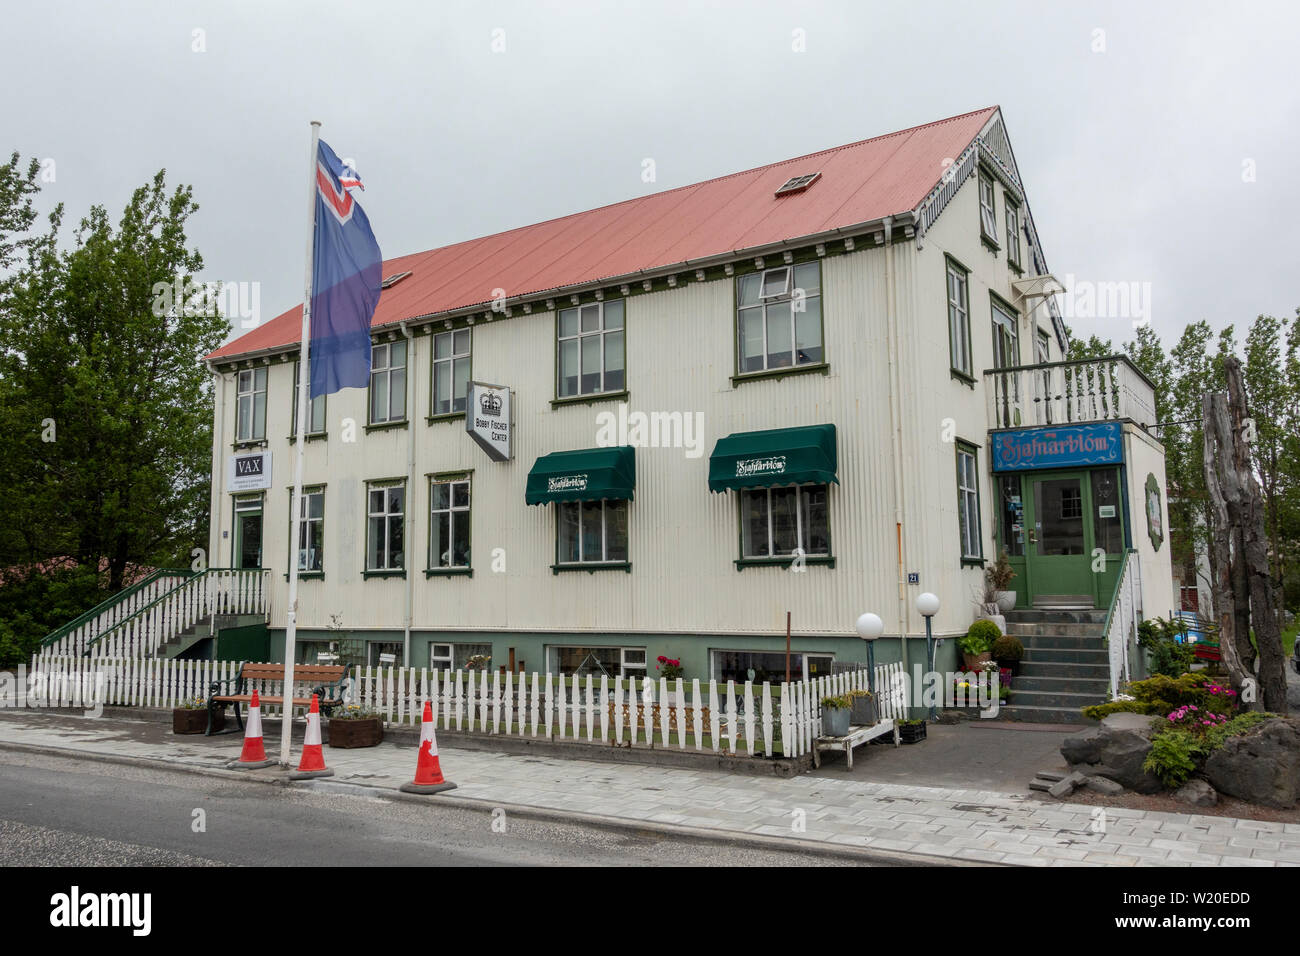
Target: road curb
(620, 824)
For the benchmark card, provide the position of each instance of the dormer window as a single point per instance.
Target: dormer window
(798, 184)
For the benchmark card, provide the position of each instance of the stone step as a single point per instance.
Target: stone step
(1067, 699)
(1058, 669)
(1063, 642)
(1023, 630)
(1042, 715)
(1096, 686)
(1053, 655)
(1040, 616)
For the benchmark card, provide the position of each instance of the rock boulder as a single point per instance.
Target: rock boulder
(1115, 750)
(1262, 766)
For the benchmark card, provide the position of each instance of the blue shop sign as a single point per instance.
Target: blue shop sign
(1058, 447)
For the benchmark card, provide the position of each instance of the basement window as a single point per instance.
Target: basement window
(798, 184)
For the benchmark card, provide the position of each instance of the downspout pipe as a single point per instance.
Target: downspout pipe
(410, 492)
(896, 428)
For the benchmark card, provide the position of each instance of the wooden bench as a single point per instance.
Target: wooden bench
(326, 681)
(893, 700)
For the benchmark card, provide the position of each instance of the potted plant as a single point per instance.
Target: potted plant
(977, 643)
(353, 726)
(998, 577)
(672, 669)
(479, 662)
(862, 708)
(1007, 651)
(190, 716)
(835, 716)
(911, 731)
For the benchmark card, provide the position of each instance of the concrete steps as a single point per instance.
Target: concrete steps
(1065, 667)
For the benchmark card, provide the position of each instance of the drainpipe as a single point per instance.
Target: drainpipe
(410, 492)
(896, 421)
(218, 473)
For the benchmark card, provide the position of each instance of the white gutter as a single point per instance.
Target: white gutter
(896, 429)
(219, 440)
(410, 492)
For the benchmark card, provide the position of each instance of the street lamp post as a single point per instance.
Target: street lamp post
(870, 627)
(928, 606)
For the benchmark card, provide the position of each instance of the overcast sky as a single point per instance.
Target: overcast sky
(1137, 144)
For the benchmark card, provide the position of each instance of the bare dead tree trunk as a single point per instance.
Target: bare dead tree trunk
(1244, 589)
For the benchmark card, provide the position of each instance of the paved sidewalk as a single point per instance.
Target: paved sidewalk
(972, 825)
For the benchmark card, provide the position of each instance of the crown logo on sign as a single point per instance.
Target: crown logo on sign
(489, 404)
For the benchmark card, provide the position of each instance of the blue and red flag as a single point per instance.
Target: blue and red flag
(347, 270)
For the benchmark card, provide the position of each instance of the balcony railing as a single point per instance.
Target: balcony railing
(1065, 393)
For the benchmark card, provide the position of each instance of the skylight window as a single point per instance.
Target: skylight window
(798, 184)
(393, 279)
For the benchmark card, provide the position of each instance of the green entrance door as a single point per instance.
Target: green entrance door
(1058, 546)
(248, 532)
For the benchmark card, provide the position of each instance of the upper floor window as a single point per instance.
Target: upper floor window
(590, 349)
(251, 405)
(1013, 233)
(787, 521)
(959, 319)
(988, 209)
(449, 524)
(388, 382)
(968, 503)
(591, 532)
(779, 318)
(1006, 341)
(311, 531)
(315, 411)
(451, 353)
(385, 513)
(1042, 348)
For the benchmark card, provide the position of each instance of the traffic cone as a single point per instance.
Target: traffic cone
(428, 772)
(253, 756)
(313, 757)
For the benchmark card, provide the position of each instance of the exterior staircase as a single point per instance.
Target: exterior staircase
(1065, 666)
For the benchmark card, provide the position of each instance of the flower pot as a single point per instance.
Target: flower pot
(864, 712)
(195, 721)
(911, 733)
(972, 662)
(835, 722)
(1006, 600)
(348, 734)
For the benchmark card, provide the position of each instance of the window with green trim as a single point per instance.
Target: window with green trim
(250, 404)
(311, 530)
(449, 524)
(1013, 232)
(968, 503)
(385, 514)
(388, 382)
(451, 356)
(1006, 340)
(591, 532)
(315, 411)
(590, 356)
(779, 318)
(988, 208)
(785, 522)
(959, 319)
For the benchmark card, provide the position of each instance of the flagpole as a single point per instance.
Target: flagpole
(295, 502)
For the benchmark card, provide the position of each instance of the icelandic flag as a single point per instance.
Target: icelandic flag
(347, 270)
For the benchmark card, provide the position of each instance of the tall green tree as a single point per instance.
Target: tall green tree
(103, 394)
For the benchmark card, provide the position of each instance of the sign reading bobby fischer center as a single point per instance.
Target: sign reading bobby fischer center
(487, 419)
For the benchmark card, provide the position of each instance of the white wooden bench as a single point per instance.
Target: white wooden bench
(892, 701)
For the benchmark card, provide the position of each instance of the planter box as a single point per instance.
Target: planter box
(972, 662)
(835, 722)
(196, 721)
(864, 712)
(911, 733)
(349, 734)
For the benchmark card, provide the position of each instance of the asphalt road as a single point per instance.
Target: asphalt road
(58, 812)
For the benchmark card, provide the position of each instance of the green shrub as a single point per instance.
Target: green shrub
(1007, 648)
(1174, 755)
(837, 703)
(1168, 657)
(979, 639)
(1098, 711)
(1162, 694)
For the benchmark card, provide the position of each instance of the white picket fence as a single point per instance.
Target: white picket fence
(722, 717)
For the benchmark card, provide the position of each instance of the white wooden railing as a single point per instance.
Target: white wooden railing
(719, 716)
(74, 637)
(1122, 621)
(1066, 393)
(162, 612)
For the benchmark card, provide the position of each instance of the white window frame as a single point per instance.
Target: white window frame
(372, 486)
(959, 318)
(385, 372)
(968, 503)
(604, 533)
(303, 527)
(311, 409)
(989, 209)
(257, 385)
(626, 668)
(448, 365)
(800, 548)
(774, 298)
(1013, 232)
(600, 331)
(452, 511)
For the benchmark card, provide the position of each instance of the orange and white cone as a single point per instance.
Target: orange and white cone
(428, 772)
(253, 756)
(313, 756)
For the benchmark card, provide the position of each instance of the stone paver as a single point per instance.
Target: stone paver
(979, 825)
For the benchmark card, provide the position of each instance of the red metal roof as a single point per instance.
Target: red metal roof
(860, 182)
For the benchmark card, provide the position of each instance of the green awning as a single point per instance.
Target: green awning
(779, 456)
(586, 475)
